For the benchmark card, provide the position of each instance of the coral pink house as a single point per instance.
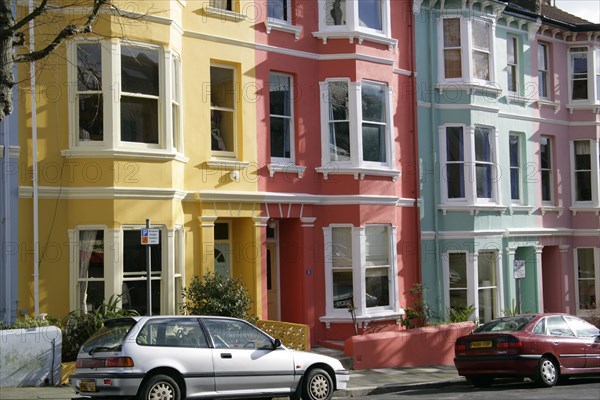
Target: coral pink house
(337, 162)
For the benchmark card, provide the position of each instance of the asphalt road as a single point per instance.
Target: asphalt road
(575, 388)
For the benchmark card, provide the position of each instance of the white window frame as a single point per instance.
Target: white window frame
(362, 312)
(596, 255)
(111, 92)
(355, 164)
(550, 170)
(514, 65)
(467, 49)
(589, 78)
(292, 120)
(545, 71)
(469, 162)
(229, 154)
(473, 279)
(175, 97)
(518, 168)
(594, 173)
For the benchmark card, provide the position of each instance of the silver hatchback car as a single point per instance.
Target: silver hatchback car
(195, 357)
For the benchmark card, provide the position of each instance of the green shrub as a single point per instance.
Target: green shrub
(419, 313)
(26, 322)
(461, 314)
(217, 295)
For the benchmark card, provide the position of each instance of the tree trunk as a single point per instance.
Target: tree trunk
(6, 59)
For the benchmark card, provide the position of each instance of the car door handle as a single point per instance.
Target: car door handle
(226, 355)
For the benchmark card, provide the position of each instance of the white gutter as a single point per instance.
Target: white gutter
(36, 261)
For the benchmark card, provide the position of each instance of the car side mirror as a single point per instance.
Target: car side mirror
(597, 339)
(276, 343)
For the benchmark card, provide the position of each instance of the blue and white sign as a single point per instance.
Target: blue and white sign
(149, 236)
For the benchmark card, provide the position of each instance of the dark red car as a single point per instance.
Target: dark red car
(542, 347)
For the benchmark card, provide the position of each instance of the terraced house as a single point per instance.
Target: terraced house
(271, 141)
(508, 100)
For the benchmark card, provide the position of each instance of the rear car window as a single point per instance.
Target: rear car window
(110, 337)
(509, 324)
(172, 332)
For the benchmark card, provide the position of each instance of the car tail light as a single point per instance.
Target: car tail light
(109, 362)
(459, 346)
(509, 343)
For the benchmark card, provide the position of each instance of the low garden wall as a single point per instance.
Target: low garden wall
(30, 357)
(419, 347)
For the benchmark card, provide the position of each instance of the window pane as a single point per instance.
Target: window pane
(134, 295)
(515, 184)
(583, 180)
(452, 63)
(139, 120)
(221, 231)
(487, 301)
(457, 263)
(280, 137)
(279, 94)
(484, 181)
(373, 102)
(486, 268)
(369, 14)
(222, 92)
(278, 9)
(481, 65)
(585, 263)
(377, 287)
(510, 50)
(336, 12)
(139, 70)
(341, 256)
(222, 4)
(454, 144)
(376, 245)
(543, 84)
(374, 143)
(342, 289)
(580, 89)
(338, 101)
(482, 144)
(481, 35)
(134, 254)
(458, 299)
(545, 156)
(452, 32)
(514, 150)
(89, 67)
(91, 114)
(587, 295)
(280, 110)
(91, 254)
(455, 184)
(339, 141)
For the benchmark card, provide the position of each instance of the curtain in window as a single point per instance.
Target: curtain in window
(86, 246)
(369, 14)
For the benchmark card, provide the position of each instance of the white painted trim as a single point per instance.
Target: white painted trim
(110, 192)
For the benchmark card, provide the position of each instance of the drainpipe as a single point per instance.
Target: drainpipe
(36, 261)
(7, 223)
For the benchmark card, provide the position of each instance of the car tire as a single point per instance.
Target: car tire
(480, 380)
(160, 385)
(547, 372)
(317, 385)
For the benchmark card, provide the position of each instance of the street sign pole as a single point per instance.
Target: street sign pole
(148, 275)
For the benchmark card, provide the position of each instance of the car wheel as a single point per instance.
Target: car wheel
(317, 385)
(160, 387)
(480, 380)
(547, 372)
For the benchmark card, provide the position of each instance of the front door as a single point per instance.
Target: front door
(273, 281)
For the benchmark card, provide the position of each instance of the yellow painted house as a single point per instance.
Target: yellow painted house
(149, 118)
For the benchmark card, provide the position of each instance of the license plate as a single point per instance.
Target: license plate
(483, 344)
(87, 386)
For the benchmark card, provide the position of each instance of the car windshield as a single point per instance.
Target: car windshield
(508, 324)
(110, 337)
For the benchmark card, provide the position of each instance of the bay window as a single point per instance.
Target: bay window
(357, 133)
(355, 19)
(587, 272)
(471, 279)
(117, 85)
(465, 50)
(360, 265)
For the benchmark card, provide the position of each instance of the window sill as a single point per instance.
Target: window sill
(548, 103)
(585, 209)
(283, 26)
(119, 153)
(516, 208)
(550, 208)
(227, 165)
(359, 173)
(363, 319)
(286, 168)
(472, 208)
(356, 35)
(223, 14)
(471, 87)
(594, 107)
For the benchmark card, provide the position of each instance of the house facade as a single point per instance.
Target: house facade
(501, 229)
(270, 141)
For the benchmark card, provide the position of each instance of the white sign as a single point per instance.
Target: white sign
(519, 269)
(149, 236)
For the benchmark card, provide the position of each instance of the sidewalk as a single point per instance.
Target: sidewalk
(362, 382)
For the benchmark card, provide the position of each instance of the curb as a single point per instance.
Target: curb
(393, 387)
